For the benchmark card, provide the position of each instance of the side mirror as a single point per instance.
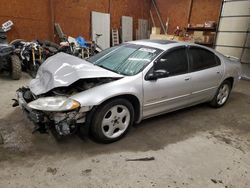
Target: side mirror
(163, 60)
(161, 73)
(157, 74)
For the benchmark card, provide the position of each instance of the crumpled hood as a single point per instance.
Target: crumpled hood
(63, 70)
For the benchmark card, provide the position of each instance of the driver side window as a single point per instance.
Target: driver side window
(174, 62)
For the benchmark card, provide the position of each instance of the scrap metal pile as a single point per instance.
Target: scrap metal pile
(21, 55)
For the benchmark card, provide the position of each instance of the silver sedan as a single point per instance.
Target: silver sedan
(107, 93)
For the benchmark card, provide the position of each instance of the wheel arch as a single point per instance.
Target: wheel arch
(231, 80)
(132, 99)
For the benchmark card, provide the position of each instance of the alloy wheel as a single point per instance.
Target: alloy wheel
(223, 94)
(115, 121)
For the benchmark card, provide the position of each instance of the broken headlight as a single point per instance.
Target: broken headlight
(54, 104)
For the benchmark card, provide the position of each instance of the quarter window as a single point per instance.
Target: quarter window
(174, 62)
(202, 59)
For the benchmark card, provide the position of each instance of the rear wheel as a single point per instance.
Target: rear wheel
(112, 120)
(16, 67)
(221, 95)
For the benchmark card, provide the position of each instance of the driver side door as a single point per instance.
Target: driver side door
(171, 91)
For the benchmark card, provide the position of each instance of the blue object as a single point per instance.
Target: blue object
(81, 41)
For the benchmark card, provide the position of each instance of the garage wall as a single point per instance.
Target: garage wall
(138, 9)
(74, 15)
(33, 18)
(205, 10)
(178, 12)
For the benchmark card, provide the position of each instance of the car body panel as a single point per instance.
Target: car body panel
(165, 94)
(204, 83)
(232, 68)
(62, 70)
(124, 86)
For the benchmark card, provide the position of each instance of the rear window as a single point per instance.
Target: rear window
(202, 59)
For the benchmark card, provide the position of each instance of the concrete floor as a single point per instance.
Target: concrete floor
(245, 71)
(196, 147)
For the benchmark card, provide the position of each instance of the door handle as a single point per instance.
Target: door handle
(187, 78)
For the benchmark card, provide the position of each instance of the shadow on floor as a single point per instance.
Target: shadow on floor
(151, 134)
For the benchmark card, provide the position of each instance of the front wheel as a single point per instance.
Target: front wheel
(221, 95)
(112, 120)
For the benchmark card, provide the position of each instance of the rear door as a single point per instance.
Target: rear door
(206, 73)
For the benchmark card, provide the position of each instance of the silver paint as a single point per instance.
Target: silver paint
(63, 70)
(155, 97)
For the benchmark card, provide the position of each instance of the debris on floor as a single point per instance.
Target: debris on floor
(173, 140)
(53, 171)
(86, 172)
(142, 159)
(1, 139)
(213, 180)
(216, 181)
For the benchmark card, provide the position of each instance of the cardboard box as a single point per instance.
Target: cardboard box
(156, 30)
(164, 37)
(210, 24)
(209, 39)
(198, 36)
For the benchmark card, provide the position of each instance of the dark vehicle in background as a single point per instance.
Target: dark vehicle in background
(9, 61)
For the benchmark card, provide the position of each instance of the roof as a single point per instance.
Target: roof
(158, 41)
(164, 44)
(160, 44)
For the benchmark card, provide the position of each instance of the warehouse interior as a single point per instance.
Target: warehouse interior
(198, 146)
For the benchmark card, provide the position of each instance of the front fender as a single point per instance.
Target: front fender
(131, 85)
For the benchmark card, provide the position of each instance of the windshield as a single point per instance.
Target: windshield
(126, 59)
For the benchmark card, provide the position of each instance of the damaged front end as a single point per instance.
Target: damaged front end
(48, 101)
(53, 112)
(55, 109)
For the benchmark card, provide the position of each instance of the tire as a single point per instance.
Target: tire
(222, 94)
(118, 115)
(16, 67)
